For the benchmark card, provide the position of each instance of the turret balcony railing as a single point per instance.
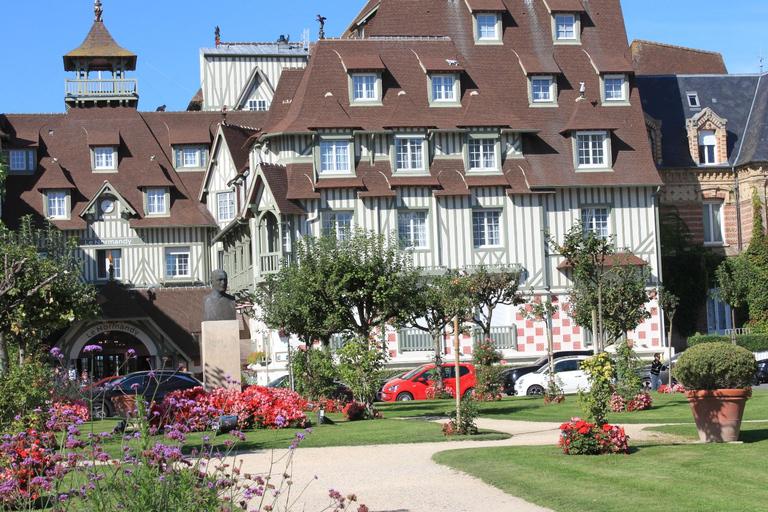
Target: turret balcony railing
(87, 88)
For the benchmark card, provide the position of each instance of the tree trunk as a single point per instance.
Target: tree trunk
(457, 367)
(438, 357)
(733, 325)
(22, 351)
(3, 354)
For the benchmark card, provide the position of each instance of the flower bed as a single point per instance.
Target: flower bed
(675, 388)
(577, 437)
(435, 392)
(639, 402)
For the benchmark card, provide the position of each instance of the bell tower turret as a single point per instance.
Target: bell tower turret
(99, 54)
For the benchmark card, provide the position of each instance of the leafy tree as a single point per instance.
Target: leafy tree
(360, 367)
(437, 299)
(314, 373)
(757, 254)
(489, 288)
(733, 284)
(41, 288)
(543, 311)
(625, 297)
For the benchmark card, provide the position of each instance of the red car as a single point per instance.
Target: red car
(413, 385)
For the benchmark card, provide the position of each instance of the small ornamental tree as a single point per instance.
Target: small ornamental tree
(486, 358)
(669, 303)
(360, 366)
(489, 288)
(543, 311)
(733, 286)
(597, 401)
(757, 254)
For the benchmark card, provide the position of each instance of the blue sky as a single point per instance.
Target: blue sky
(167, 34)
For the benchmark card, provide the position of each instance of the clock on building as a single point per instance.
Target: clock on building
(107, 206)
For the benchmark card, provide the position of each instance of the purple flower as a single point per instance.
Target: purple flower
(92, 348)
(56, 352)
(135, 385)
(130, 354)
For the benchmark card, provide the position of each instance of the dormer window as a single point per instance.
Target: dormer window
(105, 158)
(615, 89)
(693, 99)
(487, 27)
(190, 157)
(409, 153)
(444, 88)
(20, 160)
(366, 87)
(56, 204)
(542, 90)
(482, 154)
(157, 201)
(566, 27)
(335, 157)
(707, 147)
(592, 150)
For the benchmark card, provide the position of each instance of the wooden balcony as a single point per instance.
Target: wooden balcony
(86, 91)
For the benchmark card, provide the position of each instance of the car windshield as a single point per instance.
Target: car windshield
(413, 372)
(540, 361)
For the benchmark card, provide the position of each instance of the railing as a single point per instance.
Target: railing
(270, 263)
(504, 337)
(414, 340)
(101, 88)
(739, 330)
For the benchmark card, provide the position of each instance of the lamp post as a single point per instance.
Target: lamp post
(457, 369)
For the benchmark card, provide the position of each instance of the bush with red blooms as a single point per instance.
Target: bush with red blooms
(256, 406)
(326, 404)
(639, 402)
(577, 437)
(24, 458)
(354, 411)
(675, 388)
(436, 392)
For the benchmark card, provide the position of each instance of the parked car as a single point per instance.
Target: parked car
(568, 372)
(413, 385)
(152, 385)
(762, 372)
(510, 376)
(645, 374)
(342, 391)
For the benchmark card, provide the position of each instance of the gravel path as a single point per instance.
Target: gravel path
(403, 477)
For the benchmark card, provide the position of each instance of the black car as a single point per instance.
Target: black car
(762, 372)
(509, 377)
(152, 385)
(342, 391)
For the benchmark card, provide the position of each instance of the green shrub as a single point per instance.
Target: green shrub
(752, 342)
(601, 372)
(24, 388)
(715, 366)
(314, 372)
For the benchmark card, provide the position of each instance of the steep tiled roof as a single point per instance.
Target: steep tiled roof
(145, 142)
(755, 147)
(729, 96)
(494, 88)
(99, 44)
(650, 58)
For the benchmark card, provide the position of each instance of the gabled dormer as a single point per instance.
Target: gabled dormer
(100, 54)
(707, 138)
(107, 202)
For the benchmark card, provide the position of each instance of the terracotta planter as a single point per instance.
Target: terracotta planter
(718, 413)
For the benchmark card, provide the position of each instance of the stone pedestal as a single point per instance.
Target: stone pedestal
(220, 351)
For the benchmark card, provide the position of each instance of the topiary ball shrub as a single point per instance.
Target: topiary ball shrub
(715, 366)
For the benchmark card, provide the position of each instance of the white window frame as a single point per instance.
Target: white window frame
(412, 228)
(482, 144)
(482, 22)
(56, 204)
(369, 88)
(486, 228)
(596, 219)
(157, 201)
(693, 99)
(257, 105)
(20, 160)
(410, 147)
(339, 223)
(713, 225)
(707, 139)
(440, 93)
(175, 266)
(551, 90)
(604, 144)
(190, 157)
(104, 158)
(623, 91)
(560, 19)
(225, 202)
(335, 157)
(102, 263)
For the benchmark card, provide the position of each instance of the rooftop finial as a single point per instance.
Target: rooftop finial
(97, 10)
(321, 19)
(217, 35)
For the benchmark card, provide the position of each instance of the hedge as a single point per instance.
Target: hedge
(753, 342)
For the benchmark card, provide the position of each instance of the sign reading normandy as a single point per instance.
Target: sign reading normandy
(129, 240)
(113, 326)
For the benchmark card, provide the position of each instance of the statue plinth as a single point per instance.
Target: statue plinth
(220, 350)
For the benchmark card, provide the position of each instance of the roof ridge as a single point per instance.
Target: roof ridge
(675, 46)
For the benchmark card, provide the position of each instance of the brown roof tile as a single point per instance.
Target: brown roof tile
(565, 5)
(649, 58)
(486, 5)
(99, 43)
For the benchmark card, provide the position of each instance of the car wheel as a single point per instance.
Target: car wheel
(468, 392)
(535, 390)
(645, 385)
(100, 411)
(404, 397)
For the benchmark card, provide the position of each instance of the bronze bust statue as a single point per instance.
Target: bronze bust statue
(219, 305)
